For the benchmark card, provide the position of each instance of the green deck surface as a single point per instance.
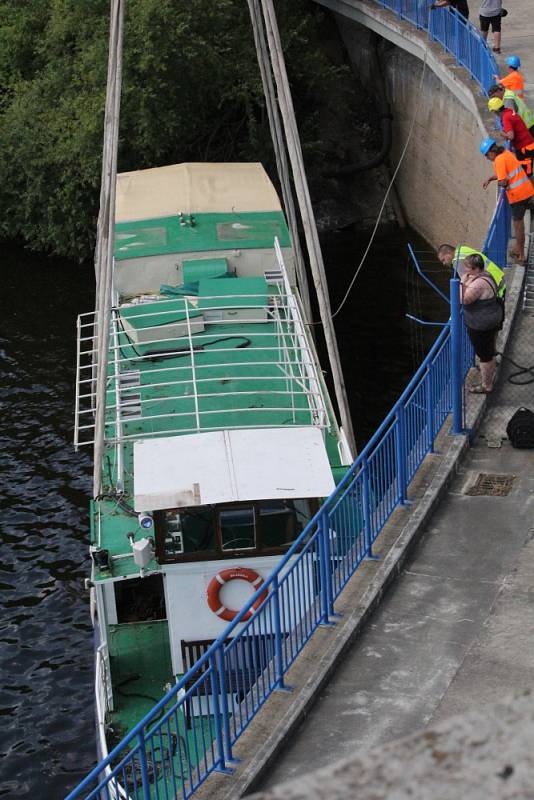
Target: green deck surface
(141, 669)
(141, 674)
(209, 232)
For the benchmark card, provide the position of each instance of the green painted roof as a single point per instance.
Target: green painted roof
(199, 233)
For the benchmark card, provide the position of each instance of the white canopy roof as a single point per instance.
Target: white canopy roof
(193, 189)
(230, 466)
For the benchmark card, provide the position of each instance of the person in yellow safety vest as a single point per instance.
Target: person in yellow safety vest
(510, 176)
(511, 100)
(454, 257)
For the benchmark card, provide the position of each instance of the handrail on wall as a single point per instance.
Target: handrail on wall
(454, 32)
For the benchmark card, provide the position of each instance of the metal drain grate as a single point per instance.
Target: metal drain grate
(493, 485)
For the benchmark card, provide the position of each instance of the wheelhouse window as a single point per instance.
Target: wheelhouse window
(187, 530)
(265, 527)
(238, 528)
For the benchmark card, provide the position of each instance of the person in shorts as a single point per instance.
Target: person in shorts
(490, 15)
(513, 179)
(483, 317)
(455, 5)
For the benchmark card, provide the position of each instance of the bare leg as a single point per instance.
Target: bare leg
(487, 373)
(497, 40)
(519, 231)
(484, 35)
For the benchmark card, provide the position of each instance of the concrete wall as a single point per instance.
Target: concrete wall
(440, 179)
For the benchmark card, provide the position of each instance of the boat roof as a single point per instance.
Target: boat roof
(193, 188)
(230, 466)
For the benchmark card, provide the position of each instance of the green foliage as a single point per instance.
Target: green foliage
(191, 92)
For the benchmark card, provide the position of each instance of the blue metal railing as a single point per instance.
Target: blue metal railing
(454, 32)
(496, 244)
(191, 732)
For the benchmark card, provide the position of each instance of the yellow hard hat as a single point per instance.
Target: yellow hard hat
(495, 104)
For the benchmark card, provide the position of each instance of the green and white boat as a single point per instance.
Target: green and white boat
(220, 439)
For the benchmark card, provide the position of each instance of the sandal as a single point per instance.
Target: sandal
(479, 389)
(497, 50)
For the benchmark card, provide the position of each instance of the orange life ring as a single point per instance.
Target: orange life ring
(232, 574)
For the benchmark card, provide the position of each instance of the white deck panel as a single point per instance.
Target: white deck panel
(230, 466)
(281, 463)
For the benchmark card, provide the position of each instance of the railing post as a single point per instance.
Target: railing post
(221, 677)
(430, 406)
(215, 688)
(143, 765)
(456, 358)
(324, 566)
(279, 661)
(400, 455)
(367, 524)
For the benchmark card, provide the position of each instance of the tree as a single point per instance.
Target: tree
(191, 92)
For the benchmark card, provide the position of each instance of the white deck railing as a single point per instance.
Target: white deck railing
(279, 368)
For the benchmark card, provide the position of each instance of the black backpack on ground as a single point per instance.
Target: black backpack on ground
(520, 429)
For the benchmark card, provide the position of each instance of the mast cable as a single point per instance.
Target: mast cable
(373, 234)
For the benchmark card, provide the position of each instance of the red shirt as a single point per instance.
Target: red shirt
(512, 123)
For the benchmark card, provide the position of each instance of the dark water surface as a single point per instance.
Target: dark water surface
(380, 348)
(46, 696)
(47, 739)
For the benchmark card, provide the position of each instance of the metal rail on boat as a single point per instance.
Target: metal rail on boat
(266, 361)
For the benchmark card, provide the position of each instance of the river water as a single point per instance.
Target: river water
(46, 656)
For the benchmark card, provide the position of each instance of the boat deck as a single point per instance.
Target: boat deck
(232, 355)
(141, 670)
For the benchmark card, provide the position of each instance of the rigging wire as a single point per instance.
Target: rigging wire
(373, 234)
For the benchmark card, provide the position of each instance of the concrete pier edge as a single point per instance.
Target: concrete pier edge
(259, 751)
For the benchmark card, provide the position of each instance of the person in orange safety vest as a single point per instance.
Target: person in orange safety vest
(514, 80)
(519, 190)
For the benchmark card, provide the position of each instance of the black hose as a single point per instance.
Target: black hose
(156, 355)
(520, 370)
